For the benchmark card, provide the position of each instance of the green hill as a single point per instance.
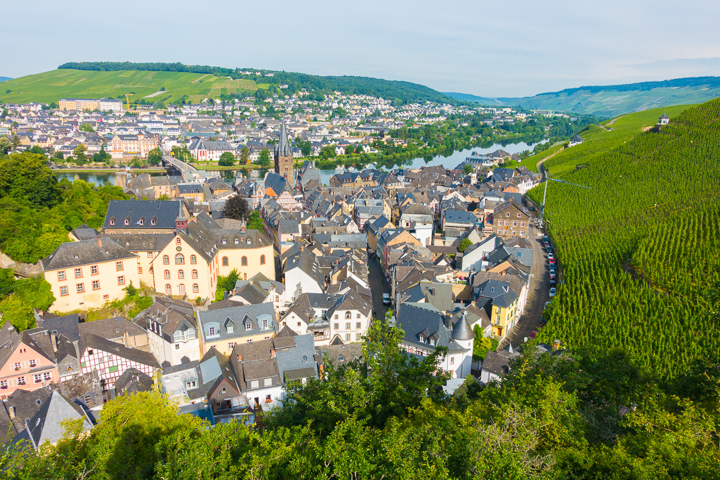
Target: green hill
(610, 101)
(640, 251)
(195, 83)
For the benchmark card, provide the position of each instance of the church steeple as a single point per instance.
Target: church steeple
(284, 161)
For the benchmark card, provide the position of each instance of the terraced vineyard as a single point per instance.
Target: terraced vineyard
(641, 250)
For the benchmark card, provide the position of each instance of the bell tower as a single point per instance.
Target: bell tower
(284, 161)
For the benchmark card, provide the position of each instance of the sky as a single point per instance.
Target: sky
(509, 48)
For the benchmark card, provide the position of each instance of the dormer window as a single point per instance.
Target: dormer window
(230, 328)
(237, 242)
(127, 221)
(141, 222)
(153, 221)
(224, 242)
(112, 221)
(249, 242)
(248, 326)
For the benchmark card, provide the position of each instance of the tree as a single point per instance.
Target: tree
(306, 148)
(79, 154)
(5, 145)
(227, 159)
(464, 245)
(468, 169)
(264, 158)
(244, 156)
(154, 156)
(349, 150)
(86, 127)
(255, 222)
(19, 313)
(236, 208)
(102, 156)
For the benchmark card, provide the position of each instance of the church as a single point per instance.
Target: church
(284, 161)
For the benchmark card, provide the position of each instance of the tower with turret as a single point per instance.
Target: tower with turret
(284, 158)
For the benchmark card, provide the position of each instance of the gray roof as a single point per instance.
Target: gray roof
(46, 424)
(86, 252)
(460, 216)
(297, 361)
(163, 212)
(238, 318)
(422, 319)
(132, 354)
(283, 148)
(83, 232)
(141, 242)
(111, 328)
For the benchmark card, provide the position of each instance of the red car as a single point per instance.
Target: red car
(552, 261)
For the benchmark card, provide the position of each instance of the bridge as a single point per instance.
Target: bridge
(186, 170)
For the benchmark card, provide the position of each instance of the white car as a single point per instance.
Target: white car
(552, 292)
(386, 299)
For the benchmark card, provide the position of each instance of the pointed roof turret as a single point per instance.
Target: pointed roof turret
(283, 148)
(461, 330)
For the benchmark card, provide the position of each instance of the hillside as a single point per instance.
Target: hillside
(194, 83)
(610, 101)
(640, 251)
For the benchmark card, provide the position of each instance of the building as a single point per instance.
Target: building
(210, 151)
(172, 331)
(224, 328)
(89, 273)
(79, 104)
(143, 216)
(47, 425)
(511, 220)
(576, 140)
(27, 360)
(129, 146)
(284, 161)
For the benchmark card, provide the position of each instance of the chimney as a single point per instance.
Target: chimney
(11, 412)
(556, 345)
(53, 340)
(99, 242)
(239, 358)
(272, 353)
(243, 227)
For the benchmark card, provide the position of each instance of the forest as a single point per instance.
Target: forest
(640, 250)
(581, 414)
(397, 91)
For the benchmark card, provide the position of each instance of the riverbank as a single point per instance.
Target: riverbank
(135, 171)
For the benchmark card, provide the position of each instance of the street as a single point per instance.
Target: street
(538, 294)
(376, 278)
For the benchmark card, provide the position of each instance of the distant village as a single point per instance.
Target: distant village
(454, 252)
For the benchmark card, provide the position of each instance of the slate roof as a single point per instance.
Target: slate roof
(169, 313)
(423, 318)
(165, 213)
(46, 425)
(254, 361)
(498, 362)
(132, 354)
(25, 404)
(283, 148)
(86, 252)
(111, 328)
(132, 381)
(297, 360)
(83, 232)
(460, 216)
(277, 183)
(141, 242)
(238, 316)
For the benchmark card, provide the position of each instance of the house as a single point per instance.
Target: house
(220, 383)
(500, 296)
(226, 327)
(27, 360)
(260, 289)
(133, 381)
(146, 247)
(255, 365)
(473, 259)
(576, 140)
(204, 150)
(172, 330)
(89, 273)
(375, 228)
(425, 328)
(47, 425)
(302, 273)
(83, 232)
(129, 146)
(496, 365)
(663, 120)
(111, 359)
(510, 219)
(456, 224)
(116, 329)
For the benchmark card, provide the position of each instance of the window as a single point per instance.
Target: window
(33, 363)
(337, 326)
(127, 221)
(230, 328)
(196, 288)
(262, 259)
(179, 259)
(347, 325)
(153, 221)
(118, 266)
(88, 400)
(113, 369)
(337, 316)
(21, 381)
(193, 259)
(37, 377)
(194, 274)
(141, 222)
(268, 383)
(224, 242)
(63, 291)
(264, 324)
(121, 280)
(348, 315)
(452, 360)
(178, 241)
(167, 274)
(17, 366)
(522, 224)
(518, 215)
(78, 273)
(61, 275)
(168, 289)
(150, 254)
(231, 345)
(181, 275)
(347, 337)
(254, 384)
(166, 260)
(225, 262)
(177, 346)
(237, 242)
(140, 270)
(96, 284)
(112, 221)
(507, 214)
(80, 287)
(191, 384)
(3, 384)
(243, 261)
(106, 297)
(248, 326)
(298, 324)
(514, 224)
(211, 331)
(358, 325)
(359, 316)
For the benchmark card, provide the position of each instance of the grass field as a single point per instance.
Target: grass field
(52, 86)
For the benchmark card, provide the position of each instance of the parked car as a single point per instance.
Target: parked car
(552, 291)
(551, 256)
(549, 250)
(386, 299)
(545, 238)
(552, 261)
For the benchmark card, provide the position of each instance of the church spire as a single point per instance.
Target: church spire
(283, 148)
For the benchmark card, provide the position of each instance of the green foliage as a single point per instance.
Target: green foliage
(244, 156)
(130, 290)
(255, 221)
(236, 208)
(264, 157)
(102, 156)
(154, 156)
(464, 244)
(639, 249)
(86, 127)
(482, 345)
(227, 159)
(226, 284)
(468, 169)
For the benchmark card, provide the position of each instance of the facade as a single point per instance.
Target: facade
(224, 328)
(172, 331)
(129, 146)
(89, 273)
(24, 363)
(511, 220)
(284, 161)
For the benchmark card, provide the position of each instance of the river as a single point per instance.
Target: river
(450, 161)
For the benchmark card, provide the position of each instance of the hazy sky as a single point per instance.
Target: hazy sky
(498, 48)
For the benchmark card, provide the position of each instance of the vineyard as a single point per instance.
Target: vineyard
(641, 249)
